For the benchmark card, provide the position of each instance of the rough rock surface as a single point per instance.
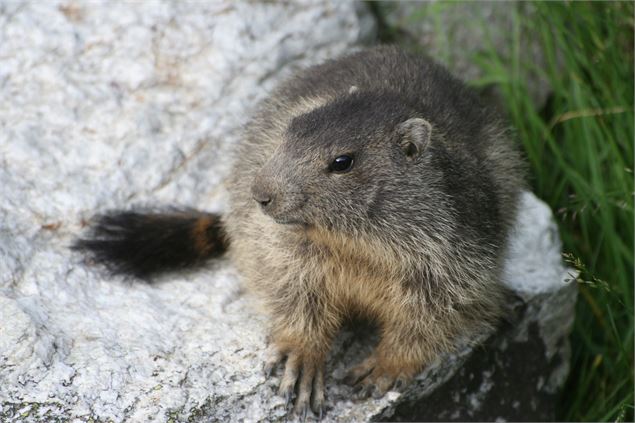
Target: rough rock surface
(112, 105)
(454, 34)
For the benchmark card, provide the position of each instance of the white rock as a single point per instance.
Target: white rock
(109, 105)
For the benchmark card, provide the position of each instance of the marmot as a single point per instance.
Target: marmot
(373, 185)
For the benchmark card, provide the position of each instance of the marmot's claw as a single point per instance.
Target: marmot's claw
(375, 385)
(287, 399)
(400, 383)
(274, 357)
(374, 378)
(302, 405)
(310, 388)
(351, 379)
(359, 372)
(317, 399)
(376, 392)
(362, 391)
(308, 375)
(267, 369)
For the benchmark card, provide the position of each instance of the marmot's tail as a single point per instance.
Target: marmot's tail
(143, 244)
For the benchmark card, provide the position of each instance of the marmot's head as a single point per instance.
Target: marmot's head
(339, 165)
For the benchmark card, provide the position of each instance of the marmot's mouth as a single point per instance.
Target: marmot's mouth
(290, 222)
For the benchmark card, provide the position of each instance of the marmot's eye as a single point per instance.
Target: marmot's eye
(342, 164)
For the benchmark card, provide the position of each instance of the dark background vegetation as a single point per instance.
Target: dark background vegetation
(579, 146)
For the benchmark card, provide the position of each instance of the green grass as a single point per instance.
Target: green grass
(580, 150)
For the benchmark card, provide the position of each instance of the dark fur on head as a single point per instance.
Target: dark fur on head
(143, 243)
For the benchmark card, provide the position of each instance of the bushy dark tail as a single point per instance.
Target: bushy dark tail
(144, 244)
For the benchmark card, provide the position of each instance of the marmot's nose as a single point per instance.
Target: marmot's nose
(261, 196)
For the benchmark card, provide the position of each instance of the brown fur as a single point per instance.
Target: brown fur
(426, 284)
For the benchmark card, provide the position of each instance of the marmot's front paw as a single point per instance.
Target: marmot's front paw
(376, 377)
(306, 369)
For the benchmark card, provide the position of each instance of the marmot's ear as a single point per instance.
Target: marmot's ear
(414, 136)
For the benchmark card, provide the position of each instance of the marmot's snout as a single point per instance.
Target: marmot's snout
(261, 195)
(281, 201)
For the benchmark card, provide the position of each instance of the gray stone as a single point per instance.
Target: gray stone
(118, 104)
(454, 33)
